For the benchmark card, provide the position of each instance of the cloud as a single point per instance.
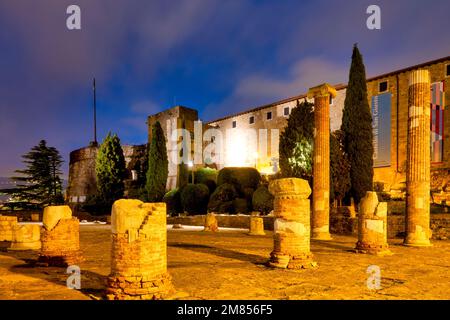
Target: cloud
(267, 88)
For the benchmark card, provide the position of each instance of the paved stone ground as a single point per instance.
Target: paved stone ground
(230, 265)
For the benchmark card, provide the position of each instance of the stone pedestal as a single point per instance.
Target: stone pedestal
(292, 230)
(60, 237)
(321, 161)
(139, 252)
(372, 226)
(418, 231)
(256, 226)
(26, 237)
(211, 223)
(7, 226)
(35, 217)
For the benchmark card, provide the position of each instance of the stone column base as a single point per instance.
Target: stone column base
(139, 288)
(321, 236)
(60, 259)
(284, 261)
(417, 242)
(378, 250)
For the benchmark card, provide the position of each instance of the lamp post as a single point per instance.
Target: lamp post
(191, 166)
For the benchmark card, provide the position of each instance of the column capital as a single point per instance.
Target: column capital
(322, 90)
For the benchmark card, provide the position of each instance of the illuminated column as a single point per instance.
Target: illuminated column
(211, 223)
(292, 231)
(418, 231)
(60, 237)
(256, 225)
(372, 226)
(321, 161)
(139, 252)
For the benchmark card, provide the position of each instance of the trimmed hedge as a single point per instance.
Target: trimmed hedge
(173, 202)
(262, 200)
(224, 193)
(241, 177)
(194, 198)
(240, 205)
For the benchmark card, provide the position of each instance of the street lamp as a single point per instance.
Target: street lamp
(191, 166)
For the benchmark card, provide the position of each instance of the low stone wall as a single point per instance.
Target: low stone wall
(224, 221)
(440, 224)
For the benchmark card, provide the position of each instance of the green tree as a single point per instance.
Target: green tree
(110, 170)
(39, 184)
(357, 129)
(158, 165)
(296, 143)
(339, 168)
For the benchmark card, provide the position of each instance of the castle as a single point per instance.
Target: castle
(387, 96)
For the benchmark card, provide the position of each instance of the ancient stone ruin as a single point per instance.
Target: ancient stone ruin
(372, 226)
(60, 237)
(292, 229)
(256, 225)
(321, 161)
(418, 231)
(26, 237)
(211, 223)
(7, 226)
(139, 252)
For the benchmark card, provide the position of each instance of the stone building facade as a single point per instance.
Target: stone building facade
(389, 172)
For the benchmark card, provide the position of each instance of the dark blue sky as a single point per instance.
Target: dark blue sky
(216, 56)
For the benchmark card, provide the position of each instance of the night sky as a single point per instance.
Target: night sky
(219, 57)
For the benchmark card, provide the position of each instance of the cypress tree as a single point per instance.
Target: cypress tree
(39, 184)
(296, 143)
(110, 170)
(158, 165)
(339, 168)
(357, 129)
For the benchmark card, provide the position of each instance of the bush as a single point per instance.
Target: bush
(96, 206)
(173, 201)
(224, 193)
(194, 198)
(208, 177)
(240, 205)
(262, 200)
(241, 177)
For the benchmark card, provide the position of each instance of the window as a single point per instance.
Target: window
(269, 115)
(331, 100)
(447, 73)
(251, 120)
(382, 86)
(234, 124)
(286, 111)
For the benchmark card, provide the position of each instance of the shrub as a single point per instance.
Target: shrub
(241, 177)
(226, 207)
(194, 198)
(224, 193)
(240, 205)
(262, 200)
(96, 206)
(205, 174)
(211, 185)
(173, 201)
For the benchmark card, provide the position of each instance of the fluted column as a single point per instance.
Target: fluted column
(418, 231)
(321, 161)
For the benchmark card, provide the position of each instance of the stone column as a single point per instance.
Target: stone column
(418, 231)
(292, 229)
(256, 225)
(26, 237)
(139, 252)
(211, 223)
(372, 226)
(60, 237)
(321, 161)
